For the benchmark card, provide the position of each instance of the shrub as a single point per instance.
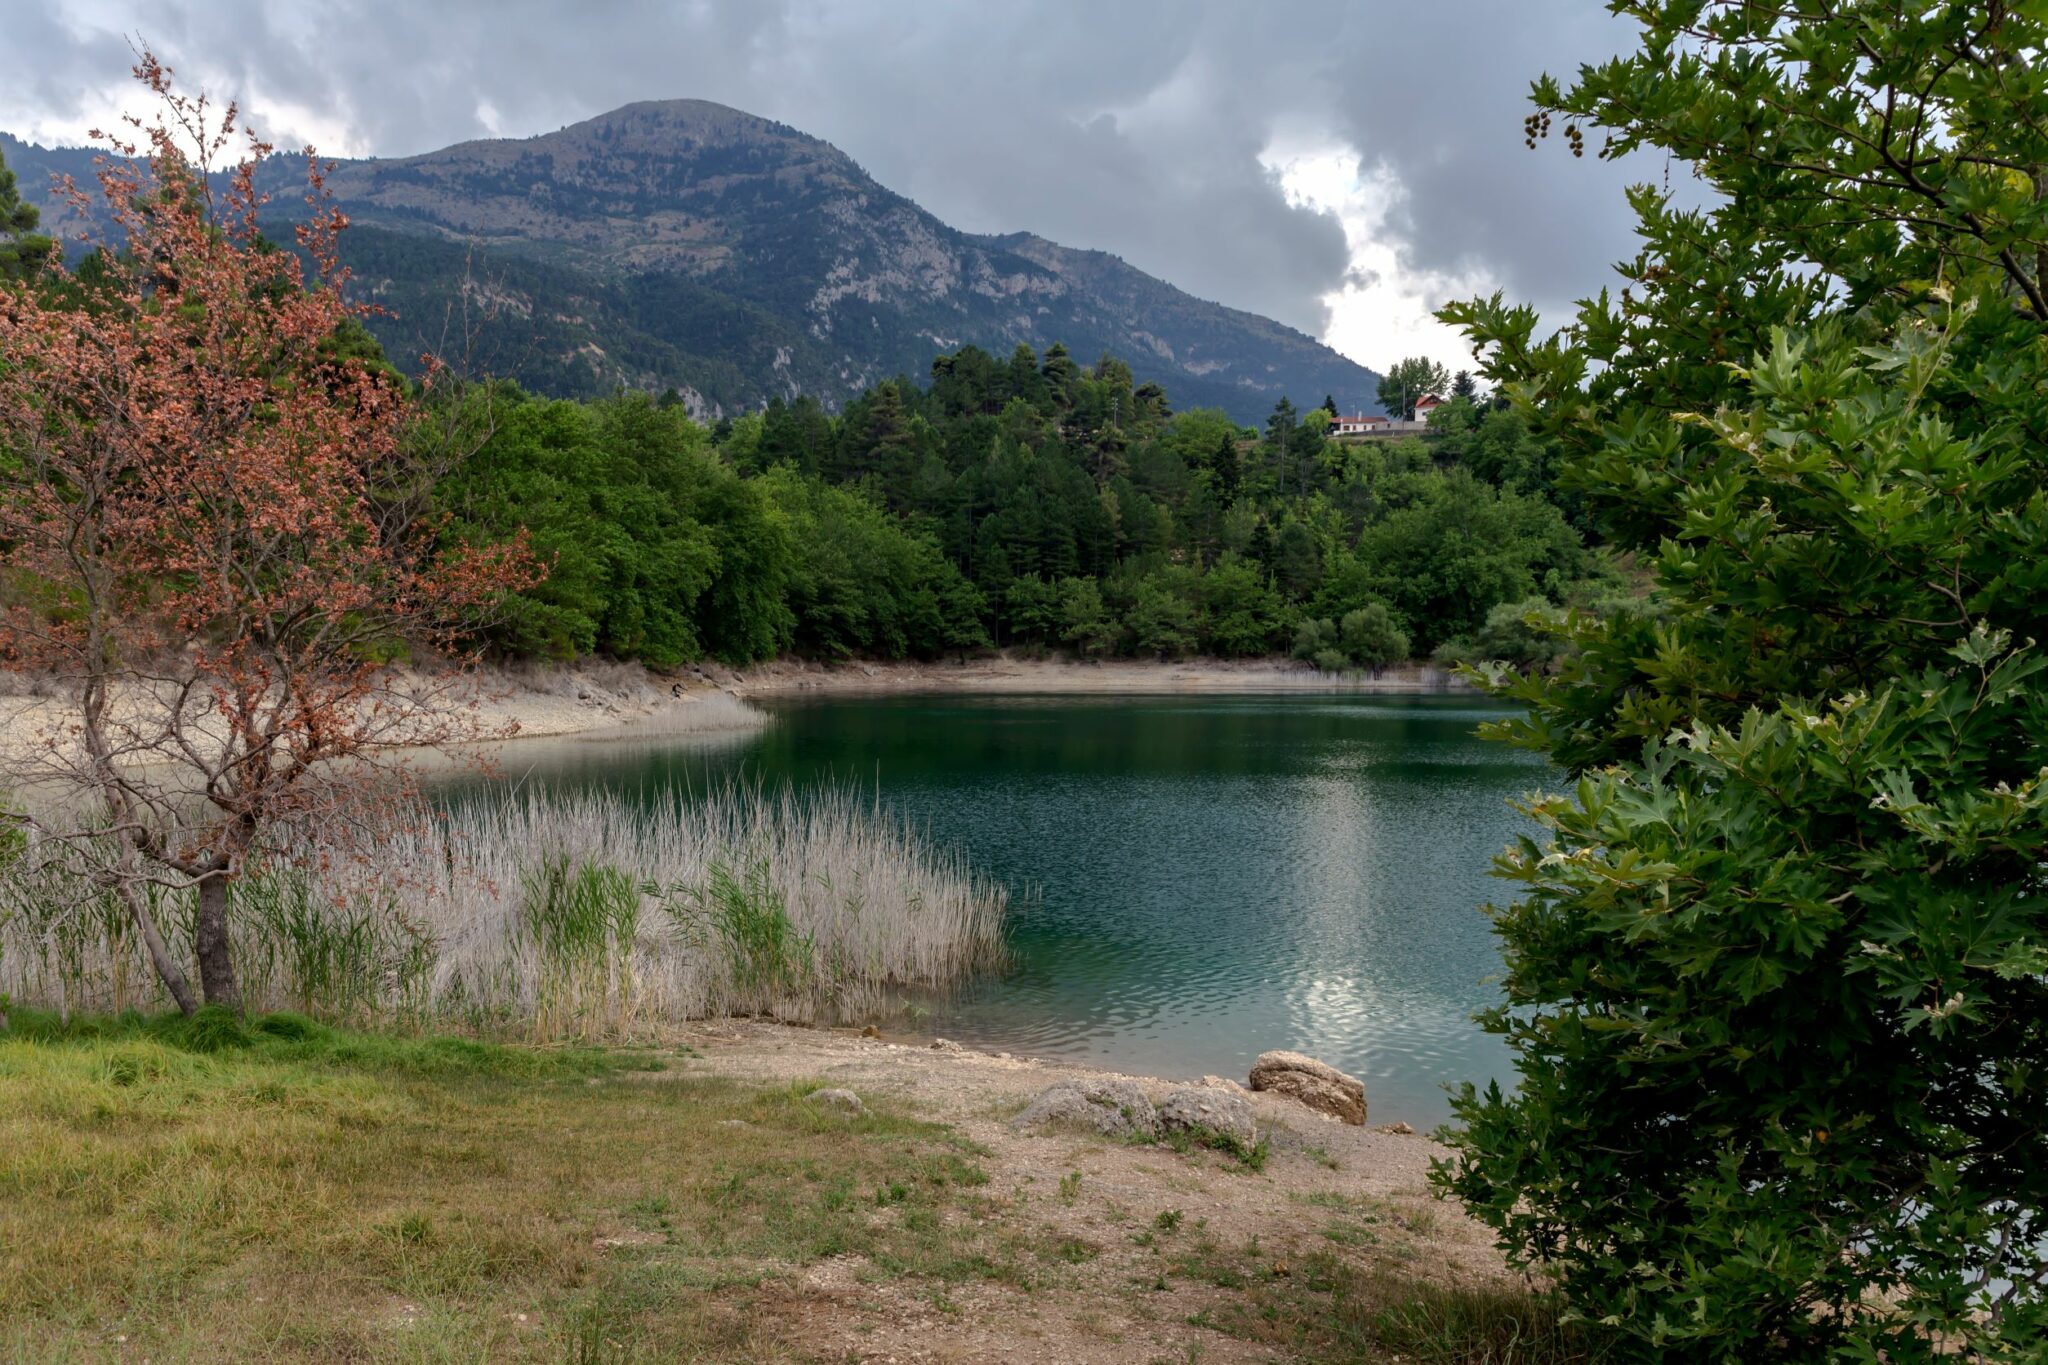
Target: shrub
(1524, 634)
(1085, 622)
(1371, 638)
(749, 919)
(1777, 984)
(1313, 637)
(1368, 637)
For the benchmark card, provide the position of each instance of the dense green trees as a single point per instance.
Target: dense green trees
(1021, 502)
(1778, 984)
(862, 585)
(1363, 638)
(660, 551)
(610, 495)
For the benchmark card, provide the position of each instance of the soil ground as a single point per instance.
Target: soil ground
(207, 1190)
(1143, 1214)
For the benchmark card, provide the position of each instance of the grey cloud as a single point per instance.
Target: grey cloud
(1133, 127)
(1547, 225)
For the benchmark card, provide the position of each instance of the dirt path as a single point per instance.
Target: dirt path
(1177, 1256)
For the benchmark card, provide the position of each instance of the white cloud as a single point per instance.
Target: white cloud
(1382, 310)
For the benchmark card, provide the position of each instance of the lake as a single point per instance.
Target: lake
(1198, 880)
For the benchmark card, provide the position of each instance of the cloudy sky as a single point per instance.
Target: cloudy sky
(1342, 165)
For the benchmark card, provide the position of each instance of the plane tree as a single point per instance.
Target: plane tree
(1777, 980)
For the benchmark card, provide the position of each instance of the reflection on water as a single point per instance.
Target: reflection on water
(1202, 880)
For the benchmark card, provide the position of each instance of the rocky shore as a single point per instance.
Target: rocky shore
(1090, 1155)
(1000, 673)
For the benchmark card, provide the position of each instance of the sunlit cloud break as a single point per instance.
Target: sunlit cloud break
(1383, 310)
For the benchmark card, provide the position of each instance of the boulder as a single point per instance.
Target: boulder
(1112, 1108)
(1209, 1110)
(844, 1101)
(1316, 1084)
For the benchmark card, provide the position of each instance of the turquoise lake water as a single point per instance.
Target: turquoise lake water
(1197, 880)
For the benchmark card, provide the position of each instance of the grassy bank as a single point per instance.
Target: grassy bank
(285, 1191)
(211, 1189)
(554, 917)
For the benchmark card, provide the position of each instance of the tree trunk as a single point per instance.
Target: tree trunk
(210, 940)
(167, 967)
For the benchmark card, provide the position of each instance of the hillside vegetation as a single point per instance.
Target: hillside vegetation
(1028, 502)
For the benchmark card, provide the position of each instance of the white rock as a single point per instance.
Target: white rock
(1112, 1108)
(1204, 1109)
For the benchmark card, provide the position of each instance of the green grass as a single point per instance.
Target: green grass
(749, 917)
(1249, 1156)
(285, 1039)
(1327, 1307)
(210, 1188)
(272, 1188)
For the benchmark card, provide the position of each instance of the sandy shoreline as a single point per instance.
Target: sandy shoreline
(592, 698)
(1003, 673)
(509, 705)
(1359, 1193)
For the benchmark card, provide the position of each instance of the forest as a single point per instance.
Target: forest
(1028, 503)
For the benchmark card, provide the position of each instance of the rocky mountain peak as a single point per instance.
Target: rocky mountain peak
(682, 243)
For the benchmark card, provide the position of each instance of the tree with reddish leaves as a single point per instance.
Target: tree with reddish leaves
(211, 531)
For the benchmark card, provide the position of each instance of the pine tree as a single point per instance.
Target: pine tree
(1279, 431)
(1229, 469)
(1061, 374)
(23, 250)
(1022, 377)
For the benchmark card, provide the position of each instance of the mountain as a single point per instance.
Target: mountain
(685, 244)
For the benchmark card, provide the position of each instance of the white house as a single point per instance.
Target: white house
(1359, 424)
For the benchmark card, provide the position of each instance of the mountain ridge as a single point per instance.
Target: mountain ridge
(685, 244)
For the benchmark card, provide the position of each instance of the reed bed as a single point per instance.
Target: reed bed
(554, 916)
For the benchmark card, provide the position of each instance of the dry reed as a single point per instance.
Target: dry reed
(555, 916)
